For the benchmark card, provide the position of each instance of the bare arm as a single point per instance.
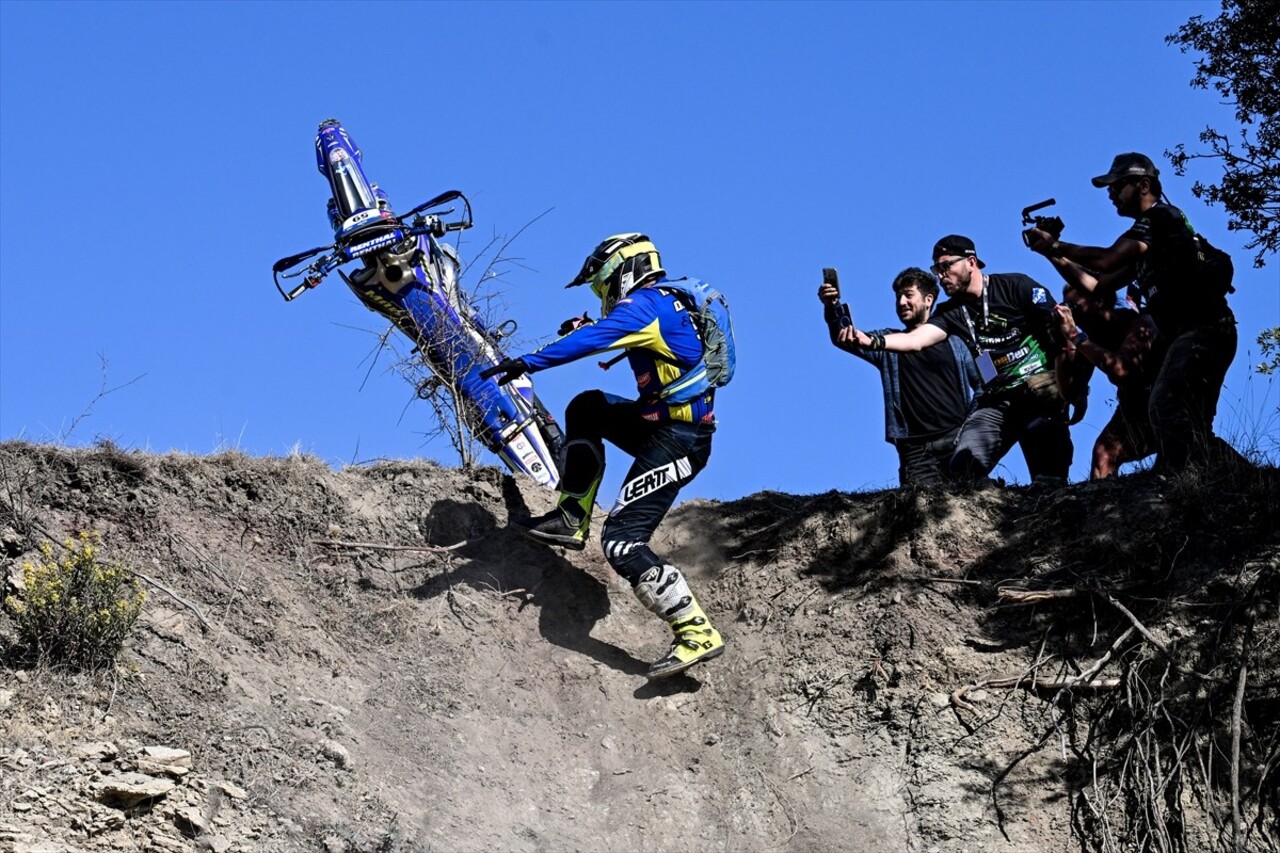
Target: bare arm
(1088, 267)
(1118, 366)
(1072, 380)
(1076, 275)
(921, 337)
(1120, 254)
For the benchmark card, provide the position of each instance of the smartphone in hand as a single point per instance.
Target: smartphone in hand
(831, 277)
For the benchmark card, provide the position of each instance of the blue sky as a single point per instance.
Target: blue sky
(155, 159)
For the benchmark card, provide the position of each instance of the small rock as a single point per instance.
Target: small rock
(129, 789)
(608, 743)
(165, 843)
(155, 768)
(6, 699)
(12, 543)
(16, 760)
(335, 752)
(218, 844)
(232, 790)
(100, 751)
(333, 844)
(15, 580)
(165, 755)
(190, 821)
(42, 847)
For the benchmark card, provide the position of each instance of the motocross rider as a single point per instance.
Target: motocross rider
(670, 443)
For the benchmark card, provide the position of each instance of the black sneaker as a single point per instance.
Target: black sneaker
(555, 529)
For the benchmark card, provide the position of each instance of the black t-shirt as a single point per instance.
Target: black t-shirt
(1166, 272)
(929, 391)
(1010, 321)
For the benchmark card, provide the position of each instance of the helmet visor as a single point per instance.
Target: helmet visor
(606, 282)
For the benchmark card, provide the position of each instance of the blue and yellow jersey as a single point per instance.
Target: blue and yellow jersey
(661, 341)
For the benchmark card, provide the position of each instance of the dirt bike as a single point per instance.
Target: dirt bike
(409, 275)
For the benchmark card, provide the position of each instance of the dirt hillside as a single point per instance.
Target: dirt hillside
(368, 660)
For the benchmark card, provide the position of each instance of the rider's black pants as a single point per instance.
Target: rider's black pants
(667, 455)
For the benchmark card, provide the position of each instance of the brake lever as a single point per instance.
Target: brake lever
(284, 263)
(447, 195)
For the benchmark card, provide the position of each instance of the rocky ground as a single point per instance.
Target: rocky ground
(368, 660)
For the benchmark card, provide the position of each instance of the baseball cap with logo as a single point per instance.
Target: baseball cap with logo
(1130, 165)
(956, 244)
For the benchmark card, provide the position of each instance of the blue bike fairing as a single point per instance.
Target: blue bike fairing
(652, 325)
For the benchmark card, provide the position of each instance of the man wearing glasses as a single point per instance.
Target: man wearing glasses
(926, 394)
(1005, 319)
(1162, 253)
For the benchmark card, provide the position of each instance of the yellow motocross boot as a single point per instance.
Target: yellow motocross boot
(665, 592)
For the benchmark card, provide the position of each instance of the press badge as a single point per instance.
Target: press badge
(986, 367)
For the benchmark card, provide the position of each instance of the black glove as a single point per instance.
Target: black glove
(509, 368)
(574, 323)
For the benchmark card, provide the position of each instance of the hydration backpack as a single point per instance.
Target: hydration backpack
(1215, 267)
(710, 312)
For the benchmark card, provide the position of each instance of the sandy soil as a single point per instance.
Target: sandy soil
(449, 686)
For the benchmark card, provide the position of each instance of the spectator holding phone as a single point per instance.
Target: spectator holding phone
(1005, 319)
(926, 393)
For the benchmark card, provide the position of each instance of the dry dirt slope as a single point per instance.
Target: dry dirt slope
(491, 696)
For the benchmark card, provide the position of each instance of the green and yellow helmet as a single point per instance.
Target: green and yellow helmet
(617, 266)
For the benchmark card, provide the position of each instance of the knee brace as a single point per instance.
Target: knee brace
(629, 559)
(583, 466)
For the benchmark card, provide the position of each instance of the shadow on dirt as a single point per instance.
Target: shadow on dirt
(570, 601)
(842, 540)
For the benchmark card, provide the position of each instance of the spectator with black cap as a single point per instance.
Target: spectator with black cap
(1005, 319)
(1162, 254)
(926, 394)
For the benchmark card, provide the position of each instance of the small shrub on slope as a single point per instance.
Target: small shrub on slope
(77, 610)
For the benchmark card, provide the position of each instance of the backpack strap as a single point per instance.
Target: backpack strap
(698, 373)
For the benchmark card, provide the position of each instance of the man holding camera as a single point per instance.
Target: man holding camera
(926, 393)
(1005, 320)
(1183, 296)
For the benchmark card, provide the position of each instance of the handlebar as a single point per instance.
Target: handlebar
(340, 253)
(444, 198)
(315, 273)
